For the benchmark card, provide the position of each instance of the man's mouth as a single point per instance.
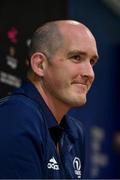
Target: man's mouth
(82, 85)
(82, 88)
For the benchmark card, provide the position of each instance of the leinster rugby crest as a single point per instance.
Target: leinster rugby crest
(77, 166)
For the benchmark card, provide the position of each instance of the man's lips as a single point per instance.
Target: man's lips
(82, 85)
(79, 83)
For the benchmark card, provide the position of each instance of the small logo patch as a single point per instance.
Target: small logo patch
(52, 164)
(77, 166)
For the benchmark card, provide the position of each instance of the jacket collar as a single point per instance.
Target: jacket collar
(29, 90)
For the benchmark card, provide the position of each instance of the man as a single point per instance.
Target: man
(38, 139)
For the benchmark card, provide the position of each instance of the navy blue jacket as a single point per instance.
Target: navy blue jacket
(28, 136)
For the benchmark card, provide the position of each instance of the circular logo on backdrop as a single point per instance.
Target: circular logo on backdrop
(77, 166)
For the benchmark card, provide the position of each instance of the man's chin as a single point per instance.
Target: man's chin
(79, 102)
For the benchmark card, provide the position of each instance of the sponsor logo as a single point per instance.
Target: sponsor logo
(77, 166)
(52, 164)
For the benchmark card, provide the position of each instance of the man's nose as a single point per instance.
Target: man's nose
(88, 72)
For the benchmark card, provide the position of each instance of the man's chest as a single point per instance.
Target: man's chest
(63, 161)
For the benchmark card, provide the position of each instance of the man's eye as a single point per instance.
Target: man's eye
(76, 58)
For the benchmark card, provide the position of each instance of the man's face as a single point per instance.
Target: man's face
(69, 74)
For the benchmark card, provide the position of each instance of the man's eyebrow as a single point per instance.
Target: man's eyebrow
(73, 52)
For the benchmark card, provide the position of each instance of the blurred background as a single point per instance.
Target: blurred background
(101, 114)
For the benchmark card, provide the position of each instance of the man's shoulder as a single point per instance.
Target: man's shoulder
(19, 114)
(17, 101)
(19, 107)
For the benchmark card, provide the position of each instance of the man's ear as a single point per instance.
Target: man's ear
(37, 63)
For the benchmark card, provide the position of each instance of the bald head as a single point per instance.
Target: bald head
(52, 35)
(46, 39)
(71, 25)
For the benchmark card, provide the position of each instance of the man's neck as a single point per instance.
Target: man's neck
(57, 108)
